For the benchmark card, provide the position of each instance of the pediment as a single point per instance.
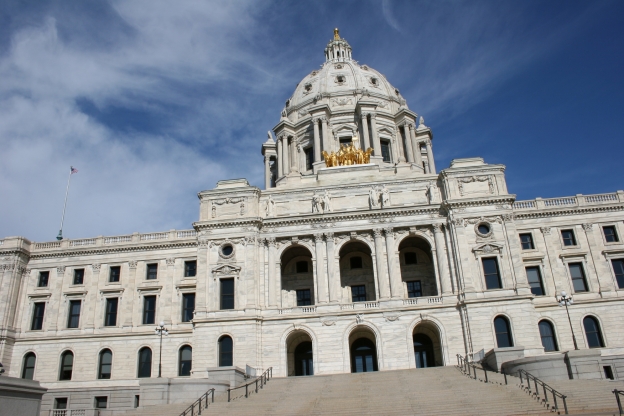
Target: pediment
(226, 270)
(488, 248)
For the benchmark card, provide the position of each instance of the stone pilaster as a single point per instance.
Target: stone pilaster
(272, 272)
(334, 281)
(396, 285)
(326, 142)
(408, 143)
(382, 265)
(431, 162)
(365, 131)
(443, 269)
(202, 277)
(321, 279)
(317, 141)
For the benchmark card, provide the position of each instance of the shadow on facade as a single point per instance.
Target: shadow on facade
(427, 345)
(299, 354)
(363, 350)
(417, 268)
(357, 278)
(297, 277)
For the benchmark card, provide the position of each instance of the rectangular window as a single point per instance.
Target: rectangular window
(101, 402)
(188, 306)
(610, 234)
(410, 258)
(358, 293)
(578, 277)
(78, 276)
(60, 403)
(190, 268)
(43, 279)
(385, 150)
(491, 273)
(618, 268)
(137, 400)
(149, 309)
(355, 262)
(302, 266)
(309, 158)
(111, 311)
(227, 293)
(114, 274)
(534, 277)
(74, 314)
(304, 297)
(345, 141)
(37, 318)
(414, 289)
(152, 271)
(568, 237)
(527, 241)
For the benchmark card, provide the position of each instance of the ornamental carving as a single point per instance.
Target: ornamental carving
(587, 226)
(329, 320)
(359, 318)
(438, 228)
(347, 155)
(391, 317)
(488, 248)
(96, 267)
(382, 104)
(377, 232)
(170, 261)
(339, 102)
(132, 264)
(270, 241)
(545, 230)
(226, 270)
(60, 270)
(462, 181)
(228, 201)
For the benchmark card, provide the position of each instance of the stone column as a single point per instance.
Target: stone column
(432, 168)
(382, 266)
(365, 131)
(408, 142)
(280, 158)
(267, 172)
(334, 281)
(326, 141)
(286, 169)
(131, 303)
(400, 149)
(605, 282)
(90, 309)
(293, 155)
(167, 294)
(416, 147)
(271, 288)
(321, 280)
(443, 269)
(203, 275)
(396, 284)
(317, 141)
(376, 142)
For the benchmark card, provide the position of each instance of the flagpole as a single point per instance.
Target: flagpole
(60, 234)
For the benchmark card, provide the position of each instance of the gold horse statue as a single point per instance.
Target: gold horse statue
(347, 155)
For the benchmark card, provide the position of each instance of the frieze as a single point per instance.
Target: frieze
(60, 270)
(96, 267)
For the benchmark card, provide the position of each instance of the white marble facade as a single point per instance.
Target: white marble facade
(401, 218)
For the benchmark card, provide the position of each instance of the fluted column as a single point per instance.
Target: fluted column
(400, 149)
(416, 147)
(376, 142)
(321, 280)
(280, 158)
(396, 285)
(432, 168)
(443, 269)
(408, 142)
(271, 283)
(365, 131)
(382, 265)
(293, 155)
(267, 172)
(317, 141)
(284, 140)
(326, 142)
(334, 282)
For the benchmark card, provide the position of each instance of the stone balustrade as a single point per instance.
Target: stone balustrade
(569, 201)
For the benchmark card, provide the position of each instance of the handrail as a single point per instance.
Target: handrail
(619, 393)
(465, 366)
(198, 403)
(266, 376)
(546, 388)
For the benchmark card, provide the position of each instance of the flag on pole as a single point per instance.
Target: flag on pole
(73, 170)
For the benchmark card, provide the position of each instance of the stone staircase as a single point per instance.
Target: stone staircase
(431, 391)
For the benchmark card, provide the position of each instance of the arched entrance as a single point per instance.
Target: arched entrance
(300, 354)
(304, 365)
(427, 345)
(363, 350)
(417, 269)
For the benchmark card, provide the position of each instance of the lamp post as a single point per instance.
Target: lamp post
(566, 300)
(160, 331)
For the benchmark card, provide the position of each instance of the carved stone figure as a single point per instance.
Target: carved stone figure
(431, 193)
(326, 202)
(385, 197)
(421, 122)
(373, 197)
(269, 207)
(270, 136)
(317, 204)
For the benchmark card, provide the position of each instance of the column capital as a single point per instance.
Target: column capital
(438, 227)
(372, 115)
(329, 236)
(377, 232)
(318, 237)
(323, 119)
(389, 231)
(316, 119)
(270, 241)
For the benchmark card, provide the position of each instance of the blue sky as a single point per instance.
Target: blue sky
(154, 101)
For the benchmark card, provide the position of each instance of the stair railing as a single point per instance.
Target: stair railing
(535, 390)
(266, 376)
(467, 368)
(619, 393)
(202, 401)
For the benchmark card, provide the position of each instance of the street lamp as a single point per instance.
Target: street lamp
(566, 300)
(160, 331)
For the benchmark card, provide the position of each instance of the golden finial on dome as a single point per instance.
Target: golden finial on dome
(336, 34)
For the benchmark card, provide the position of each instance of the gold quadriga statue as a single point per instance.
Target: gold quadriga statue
(347, 155)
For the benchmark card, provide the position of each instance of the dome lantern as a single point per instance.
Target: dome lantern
(338, 49)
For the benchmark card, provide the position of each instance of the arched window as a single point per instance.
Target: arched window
(593, 333)
(225, 351)
(67, 364)
(363, 356)
(185, 361)
(28, 368)
(503, 332)
(106, 362)
(547, 333)
(145, 362)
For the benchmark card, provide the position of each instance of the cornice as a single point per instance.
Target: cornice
(564, 212)
(475, 202)
(108, 250)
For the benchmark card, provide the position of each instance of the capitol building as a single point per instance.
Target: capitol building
(360, 254)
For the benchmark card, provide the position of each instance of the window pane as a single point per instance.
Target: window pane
(38, 312)
(101, 402)
(578, 277)
(152, 271)
(527, 241)
(78, 276)
(492, 277)
(414, 289)
(535, 280)
(43, 279)
(74, 314)
(145, 363)
(618, 268)
(225, 351)
(115, 273)
(188, 306)
(309, 155)
(610, 234)
(385, 151)
(106, 360)
(60, 403)
(592, 332)
(186, 360)
(548, 336)
(568, 238)
(227, 293)
(358, 293)
(111, 312)
(149, 309)
(503, 334)
(304, 297)
(28, 372)
(67, 363)
(190, 268)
